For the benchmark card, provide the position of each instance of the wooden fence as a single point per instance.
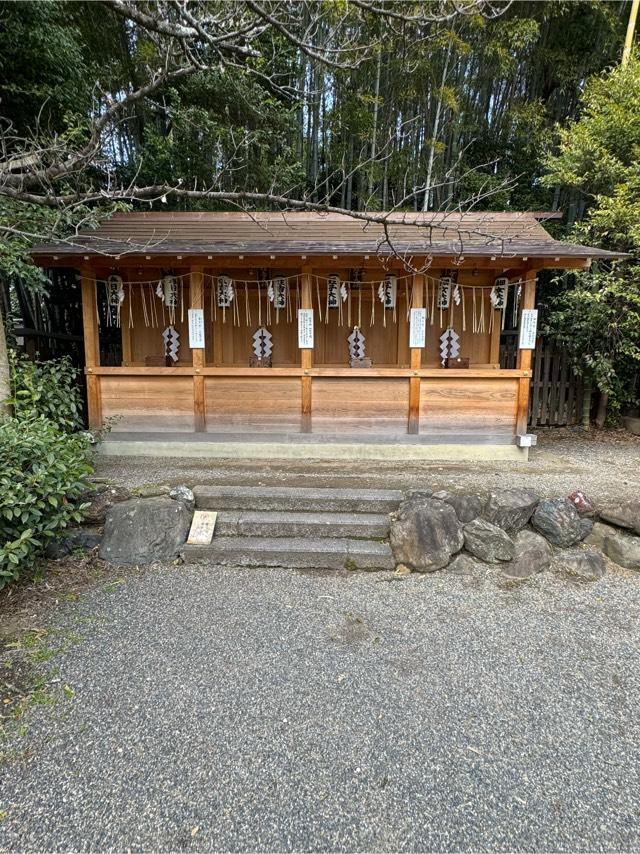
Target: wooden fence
(555, 399)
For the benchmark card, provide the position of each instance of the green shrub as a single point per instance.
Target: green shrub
(42, 472)
(46, 389)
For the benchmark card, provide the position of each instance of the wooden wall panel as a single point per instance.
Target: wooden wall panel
(463, 406)
(147, 340)
(360, 405)
(235, 344)
(253, 405)
(476, 347)
(153, 403)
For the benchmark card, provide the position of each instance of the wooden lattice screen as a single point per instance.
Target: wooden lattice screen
(555, 399)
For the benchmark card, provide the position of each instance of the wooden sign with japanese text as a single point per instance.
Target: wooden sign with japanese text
(202, 527)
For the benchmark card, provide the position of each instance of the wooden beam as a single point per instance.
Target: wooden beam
(306, 357)
(91, 344)
(413, 420)
(196, 300)
(524, 357)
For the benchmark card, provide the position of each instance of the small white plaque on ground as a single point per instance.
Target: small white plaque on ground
(196, 328)
(202, 527)
(528, 329)
(305, 328)
(418, 327)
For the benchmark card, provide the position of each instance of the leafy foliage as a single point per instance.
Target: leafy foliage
(46, 390)
(596, 315)
(42, 472)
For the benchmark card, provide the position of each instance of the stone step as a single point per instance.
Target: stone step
(242, 523)
(293, 552)
(299, 499)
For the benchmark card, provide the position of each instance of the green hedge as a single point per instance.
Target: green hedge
(46, 390)
(43, 471)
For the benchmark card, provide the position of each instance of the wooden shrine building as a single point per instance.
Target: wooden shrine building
(296, 328)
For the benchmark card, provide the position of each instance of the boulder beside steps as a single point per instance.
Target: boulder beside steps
(299, 528)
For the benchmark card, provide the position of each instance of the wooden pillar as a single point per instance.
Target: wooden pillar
(496, 331)
(218, 351)
(125, 322)
(413, 421)
(524, 357)
(306, 355)
(196, 300)
(91, 344)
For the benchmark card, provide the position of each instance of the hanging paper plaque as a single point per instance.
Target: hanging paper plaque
(305, 328)
(333, 290)
(226, 291)
(528, 329)
(444, 292)
(196, 328)
(115, 298)
(280, 292)
(418, 327)
(387, 291)
(498, 294)
(170, 291)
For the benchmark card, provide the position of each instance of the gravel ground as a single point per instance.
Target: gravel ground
(606, 464)
(223, 709)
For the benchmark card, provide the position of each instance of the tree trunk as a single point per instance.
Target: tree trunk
(434, 134)
(586, 403)
(5, 386)
(374, 132)
(601, 415)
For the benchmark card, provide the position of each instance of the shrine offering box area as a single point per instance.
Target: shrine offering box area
(299, 323)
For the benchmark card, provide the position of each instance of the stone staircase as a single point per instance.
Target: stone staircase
(297, 527)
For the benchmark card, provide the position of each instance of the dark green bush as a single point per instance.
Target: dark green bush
(46, 389)
(43, 471)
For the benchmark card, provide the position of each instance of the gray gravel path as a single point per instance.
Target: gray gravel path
(606, 465)
(222, 709)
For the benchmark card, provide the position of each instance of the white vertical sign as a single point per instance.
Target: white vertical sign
(528, 329)
(305, 328)
(418, 327)
(196, 328)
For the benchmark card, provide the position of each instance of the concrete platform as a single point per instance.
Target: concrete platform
(310, 446)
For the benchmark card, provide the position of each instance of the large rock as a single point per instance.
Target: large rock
(625, 515)
(585, 565)
(533, 554)
(74, 539)
(487, 541)
(425, 533)
(468, 505)
(558, 521)
(510, 509)
(464, 564)
(101, 501)
(586, 526)
(144, 530)
(622, 548)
